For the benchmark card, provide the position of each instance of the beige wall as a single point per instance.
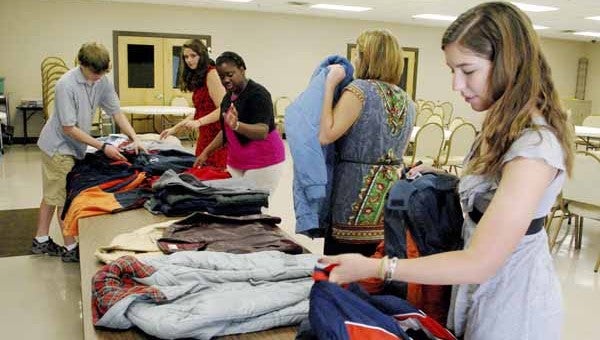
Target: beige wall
(593, 83)
(281, 51)
(563, 57)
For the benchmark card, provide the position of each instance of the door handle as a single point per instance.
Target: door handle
(159, 96)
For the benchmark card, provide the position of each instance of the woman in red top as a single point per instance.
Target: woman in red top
(198, 74)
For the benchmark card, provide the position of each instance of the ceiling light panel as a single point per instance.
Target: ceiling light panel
(435, 17)
(594, 18)
(341, 8)
(588, 34)
(534, 8)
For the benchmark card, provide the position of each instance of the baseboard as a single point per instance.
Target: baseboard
(21, 140)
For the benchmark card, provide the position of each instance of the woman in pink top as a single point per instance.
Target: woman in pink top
(255, 149)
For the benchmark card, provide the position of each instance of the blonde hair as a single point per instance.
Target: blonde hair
(379, 56)
(520, 81)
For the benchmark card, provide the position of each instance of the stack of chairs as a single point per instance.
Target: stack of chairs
(427, 108)
(52, 69)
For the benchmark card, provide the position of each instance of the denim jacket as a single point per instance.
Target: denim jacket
(313, 163)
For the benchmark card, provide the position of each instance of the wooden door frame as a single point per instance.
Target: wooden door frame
(117, 34)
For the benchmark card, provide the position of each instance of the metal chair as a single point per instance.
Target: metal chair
(456, 122)
(422, 116)
(458, 146)
(439, 110)
(279, 106)
(427, 145)
(435, 118)
(591, 121)
(428, 104)
(448, 109)
(578, 200)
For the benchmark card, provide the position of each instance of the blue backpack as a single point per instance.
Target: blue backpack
(422, 217)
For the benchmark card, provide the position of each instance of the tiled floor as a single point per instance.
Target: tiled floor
(41, 295)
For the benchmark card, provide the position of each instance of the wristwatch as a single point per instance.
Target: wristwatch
(103, 146)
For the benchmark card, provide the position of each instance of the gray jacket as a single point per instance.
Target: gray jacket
(213, 294)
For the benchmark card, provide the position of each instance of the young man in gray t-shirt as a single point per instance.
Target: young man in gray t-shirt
(66, 135)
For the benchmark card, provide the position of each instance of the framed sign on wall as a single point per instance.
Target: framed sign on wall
(408, 82)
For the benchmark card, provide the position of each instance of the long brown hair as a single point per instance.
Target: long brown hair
(520, 81)
(189, 79)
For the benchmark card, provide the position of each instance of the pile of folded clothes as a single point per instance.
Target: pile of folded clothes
(182, 194)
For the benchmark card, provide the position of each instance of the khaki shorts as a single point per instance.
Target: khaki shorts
(54, 178)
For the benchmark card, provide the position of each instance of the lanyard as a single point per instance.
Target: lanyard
(90, 95)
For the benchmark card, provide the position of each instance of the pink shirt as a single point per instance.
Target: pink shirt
(256, 154)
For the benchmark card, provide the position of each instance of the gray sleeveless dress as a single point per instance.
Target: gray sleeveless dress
(523, 299)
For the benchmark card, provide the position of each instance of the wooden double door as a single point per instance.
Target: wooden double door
(147, 68)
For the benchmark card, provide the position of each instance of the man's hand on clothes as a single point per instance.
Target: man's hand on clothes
(136, 146)
(113, 152)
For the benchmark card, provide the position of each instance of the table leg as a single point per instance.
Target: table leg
(587, 143)
(154, 124)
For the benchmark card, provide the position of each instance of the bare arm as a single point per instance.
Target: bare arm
(258, 131)
(216, 92)
(496, 237)
(336, 121)
(79, 135)
(125, 126)
(181, 124)
(216, 143)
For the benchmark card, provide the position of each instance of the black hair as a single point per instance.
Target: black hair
(231, 57)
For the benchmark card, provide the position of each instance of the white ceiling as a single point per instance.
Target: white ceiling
(571, 15)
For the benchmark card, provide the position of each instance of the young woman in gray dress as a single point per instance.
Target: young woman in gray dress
(506, 285)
